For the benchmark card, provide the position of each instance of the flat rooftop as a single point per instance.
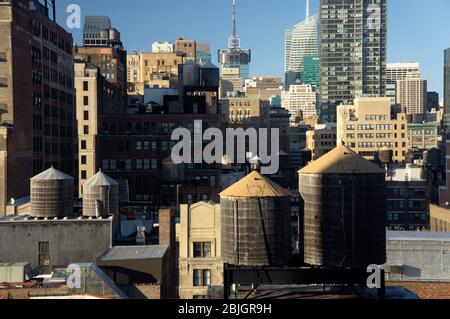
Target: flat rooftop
(415, 236)
(28, 218)
(134, 253)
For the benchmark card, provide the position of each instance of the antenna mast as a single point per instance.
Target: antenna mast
(307, 9)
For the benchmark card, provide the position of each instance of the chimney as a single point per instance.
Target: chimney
(167, 227)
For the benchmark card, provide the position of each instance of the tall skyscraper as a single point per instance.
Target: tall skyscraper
(234, 63)
(302, 40)
(398, 72)
(412, 94)
(447, 81)
(37, 112)
(353, 49)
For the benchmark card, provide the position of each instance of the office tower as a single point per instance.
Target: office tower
(203, 53)
(188, 48)
(368, 125)
(412, 94)
(447, 81)
(93, 26)
(353, 49)
(397, 72)
(234, 63)
(37, 113)
(432, 101)
(302, 40)
(311, 71)
(302, 101)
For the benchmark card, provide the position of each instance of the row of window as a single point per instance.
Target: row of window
(140, 164)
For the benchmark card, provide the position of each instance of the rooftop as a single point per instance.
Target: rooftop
(255, 185)
(52, 174)
(422, 236)
(134, 253)
(341, 160)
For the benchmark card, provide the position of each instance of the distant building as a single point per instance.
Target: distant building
(432, 101)
(263, 87)
(133, 67)
(321, 140)
(447, 81)
(201, 265)
(188, 48)
(234, 63)
(353, 51)
(300, 41)
(412, 94)
(302, 101)
(311, 71)
(93, 26)
(369, 125)
(160, 69)
(408, 195)
(203, 53)
(423, 136)
(163, 47)
(397, 72)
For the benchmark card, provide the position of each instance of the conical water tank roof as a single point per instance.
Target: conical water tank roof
(100, 179)
(341, 160)
(255, 185)
(51, 174)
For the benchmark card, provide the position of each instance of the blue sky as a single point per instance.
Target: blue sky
(419, 30)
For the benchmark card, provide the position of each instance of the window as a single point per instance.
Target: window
(86, 129)
(139, 146)
(83, 145)
(105, 164)
(85, 86)
(85, 100)
(86, 115)
(202, 278)
(202, 250)
(2, 56)
(83, 160)
(128, 164)
(83, 175)
(3, 82)
(44, 255)
(113, 164)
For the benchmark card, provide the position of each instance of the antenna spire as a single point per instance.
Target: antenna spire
(234, 18)
(307, 9)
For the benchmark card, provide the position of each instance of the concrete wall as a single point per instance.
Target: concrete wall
(69, 241)
(418, 256)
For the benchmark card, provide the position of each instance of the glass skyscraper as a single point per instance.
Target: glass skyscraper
(302, 40)
(311, 71)
(353, 49)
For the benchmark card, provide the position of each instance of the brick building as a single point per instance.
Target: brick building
(37, 112)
